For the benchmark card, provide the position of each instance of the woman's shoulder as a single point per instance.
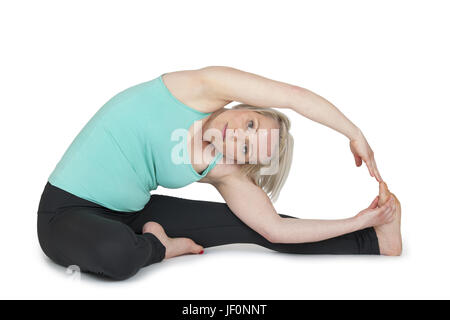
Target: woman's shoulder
(189, 87)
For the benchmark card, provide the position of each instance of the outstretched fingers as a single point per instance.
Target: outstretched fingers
(369, 167)
(375, 170)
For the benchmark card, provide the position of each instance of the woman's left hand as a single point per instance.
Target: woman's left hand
(362, 152)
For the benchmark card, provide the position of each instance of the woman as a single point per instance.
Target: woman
(96, 211)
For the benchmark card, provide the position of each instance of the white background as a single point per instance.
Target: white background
(385, 64)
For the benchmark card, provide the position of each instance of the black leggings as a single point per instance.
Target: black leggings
(74, 231)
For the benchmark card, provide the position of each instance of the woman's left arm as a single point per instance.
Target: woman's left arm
(230, 84)
(253, 207)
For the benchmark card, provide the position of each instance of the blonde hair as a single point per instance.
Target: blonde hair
(273, 183)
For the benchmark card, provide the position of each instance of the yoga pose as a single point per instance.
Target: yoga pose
(97, 212)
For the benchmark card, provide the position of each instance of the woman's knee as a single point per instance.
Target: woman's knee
(118, 258)
(96, 245)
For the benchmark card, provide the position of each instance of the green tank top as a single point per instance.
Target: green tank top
(125, 150)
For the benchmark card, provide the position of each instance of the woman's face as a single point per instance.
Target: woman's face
(242, 135)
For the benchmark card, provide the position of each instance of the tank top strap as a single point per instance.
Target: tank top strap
(211, 165)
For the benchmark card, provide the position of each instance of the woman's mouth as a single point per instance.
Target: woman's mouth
(224, 131)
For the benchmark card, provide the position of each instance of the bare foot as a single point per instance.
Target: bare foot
(174, 246)
(389, 235)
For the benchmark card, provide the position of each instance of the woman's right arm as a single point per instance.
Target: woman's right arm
(252, 205)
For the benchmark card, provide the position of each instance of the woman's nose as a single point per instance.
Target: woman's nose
(237, 135)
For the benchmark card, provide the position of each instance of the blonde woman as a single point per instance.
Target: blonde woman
(96, 210)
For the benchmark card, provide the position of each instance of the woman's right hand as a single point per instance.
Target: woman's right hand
(374, 216)
(362, 152)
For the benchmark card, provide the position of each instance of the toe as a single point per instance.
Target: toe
(196, 248)
(384, 193)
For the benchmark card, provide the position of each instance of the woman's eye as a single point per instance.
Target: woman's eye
(250, 124)
(245, 149)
